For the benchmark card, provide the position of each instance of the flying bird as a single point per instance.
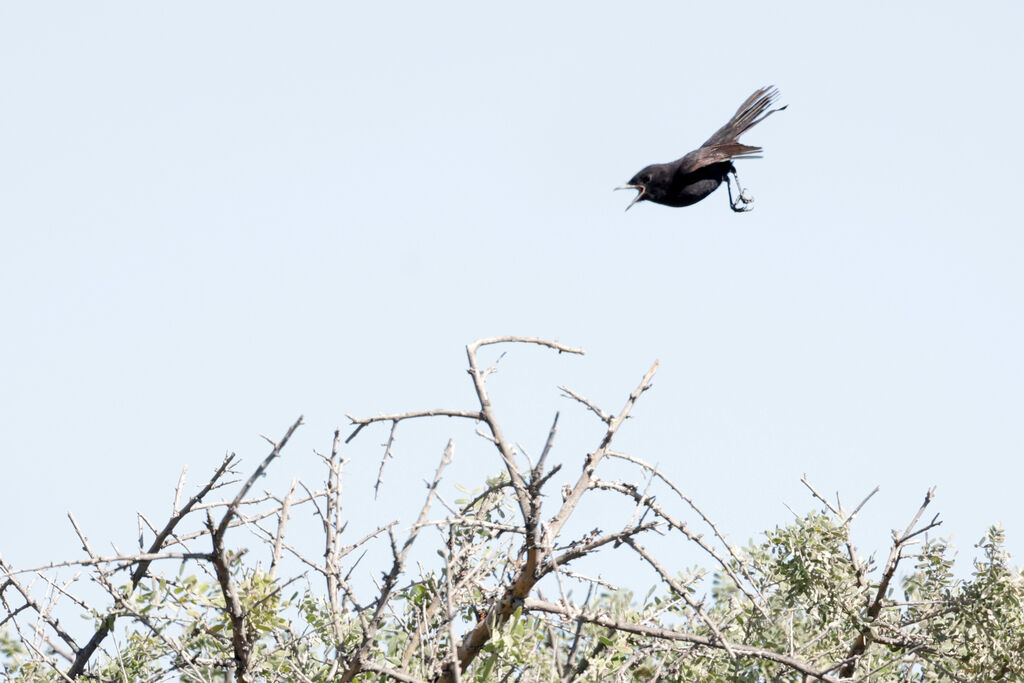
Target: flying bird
(688, 180)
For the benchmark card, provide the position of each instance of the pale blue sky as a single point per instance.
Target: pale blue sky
(217, 216)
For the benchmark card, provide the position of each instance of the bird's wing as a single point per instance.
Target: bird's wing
(712, 154)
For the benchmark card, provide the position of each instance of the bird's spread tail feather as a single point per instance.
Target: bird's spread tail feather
(736, 150)
(752, 112)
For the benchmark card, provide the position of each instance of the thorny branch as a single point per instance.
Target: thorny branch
(496, 548)
(141, 569)
(739, 649)
(874, 607)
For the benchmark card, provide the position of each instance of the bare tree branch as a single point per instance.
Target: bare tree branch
(143, 567)
(356, 662)
(362, 422)
(767, 617)
(593, 459)
(741, 650)
(874, 607)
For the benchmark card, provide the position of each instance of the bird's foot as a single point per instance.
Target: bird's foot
(743, 202)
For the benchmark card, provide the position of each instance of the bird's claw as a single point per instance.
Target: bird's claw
(743, 202)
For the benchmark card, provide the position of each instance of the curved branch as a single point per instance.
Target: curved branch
(361, 422)
(524, 340)
(741, 650)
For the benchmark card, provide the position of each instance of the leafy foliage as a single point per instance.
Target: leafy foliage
(799, 604)
(943, 628)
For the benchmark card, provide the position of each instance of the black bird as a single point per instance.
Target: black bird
(688, 180)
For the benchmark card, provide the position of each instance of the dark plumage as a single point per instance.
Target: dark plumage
(688, 180)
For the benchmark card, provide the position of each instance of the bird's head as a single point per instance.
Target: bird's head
(643, 182)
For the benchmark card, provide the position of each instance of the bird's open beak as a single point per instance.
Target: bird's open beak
(640, 190)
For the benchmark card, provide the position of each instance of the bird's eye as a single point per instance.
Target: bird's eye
(645, 178)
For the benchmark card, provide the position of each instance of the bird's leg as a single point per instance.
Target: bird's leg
(743, 202)
(738, 205)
